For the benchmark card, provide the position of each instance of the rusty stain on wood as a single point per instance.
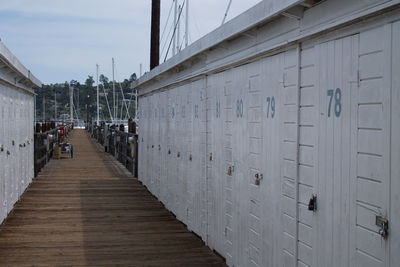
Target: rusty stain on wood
(89, 210)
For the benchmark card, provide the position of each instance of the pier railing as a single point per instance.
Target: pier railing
(122, 144)
(46, 135)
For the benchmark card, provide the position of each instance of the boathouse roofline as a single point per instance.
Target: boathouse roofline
(269, 26)
(17, 74)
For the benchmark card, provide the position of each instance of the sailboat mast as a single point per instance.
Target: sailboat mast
(178, 35)
(97, 75)
(175, 20)
(226, 12)
(115, 108)
(187, 24)
(71, 103)
(55, 105)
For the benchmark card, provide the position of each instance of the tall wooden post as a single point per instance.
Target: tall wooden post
(155, 34)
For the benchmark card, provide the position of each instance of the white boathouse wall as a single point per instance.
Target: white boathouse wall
(236, 138)
(16, 129)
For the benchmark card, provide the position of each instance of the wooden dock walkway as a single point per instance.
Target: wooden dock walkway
(89, 211)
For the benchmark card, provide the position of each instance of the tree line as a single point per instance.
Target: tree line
(83, 94)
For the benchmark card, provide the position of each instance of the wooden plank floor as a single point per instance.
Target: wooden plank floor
(90, 211)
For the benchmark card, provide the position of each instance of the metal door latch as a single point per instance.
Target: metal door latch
(211, 157)
(230, 170)
(312, 204)
(259, 177)
(383, 223)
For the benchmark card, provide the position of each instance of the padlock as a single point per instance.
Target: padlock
(259, 177)
(312, 204)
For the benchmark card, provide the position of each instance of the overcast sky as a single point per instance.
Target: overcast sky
(63, 40)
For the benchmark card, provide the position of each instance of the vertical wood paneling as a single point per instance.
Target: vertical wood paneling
(16, 171)
(394, 238)
(290, 116)
(225, 120)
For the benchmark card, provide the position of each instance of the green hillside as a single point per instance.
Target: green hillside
(81, 92)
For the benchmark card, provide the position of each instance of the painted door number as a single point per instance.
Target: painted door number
(337, 107)
(271, 106)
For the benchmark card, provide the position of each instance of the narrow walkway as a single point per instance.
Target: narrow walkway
(90, 211)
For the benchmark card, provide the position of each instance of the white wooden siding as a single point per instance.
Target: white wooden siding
(338, 148)
(16, 126)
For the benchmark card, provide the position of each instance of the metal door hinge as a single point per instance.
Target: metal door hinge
(383, 224)
(312, 204)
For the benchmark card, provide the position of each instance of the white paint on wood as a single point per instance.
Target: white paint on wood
(304, 149)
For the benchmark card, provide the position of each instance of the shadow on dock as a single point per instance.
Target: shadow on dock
(90, 211)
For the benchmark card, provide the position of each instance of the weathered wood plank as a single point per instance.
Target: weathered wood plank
(90, 211)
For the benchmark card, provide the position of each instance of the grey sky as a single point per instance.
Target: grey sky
(63, 40)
